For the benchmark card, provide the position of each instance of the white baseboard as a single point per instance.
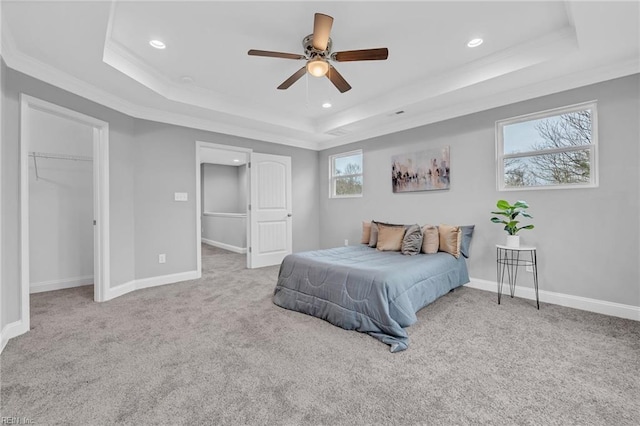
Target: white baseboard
(10, 331)
(138, 284)
(119, 290)
(224, 246)
(577, 302)
(60, 284)
(167, 279)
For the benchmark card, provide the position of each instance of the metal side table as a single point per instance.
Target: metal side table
(508, 260)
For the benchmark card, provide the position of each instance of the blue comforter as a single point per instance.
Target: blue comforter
(361, 288)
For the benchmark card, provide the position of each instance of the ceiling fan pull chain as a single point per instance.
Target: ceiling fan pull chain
(306, 80)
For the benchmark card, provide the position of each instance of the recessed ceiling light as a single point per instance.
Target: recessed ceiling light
(475, 42)
(157, 44)
(326, 105)
(235, 160)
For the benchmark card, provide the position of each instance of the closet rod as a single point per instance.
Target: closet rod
(59, 156)
(52, 156)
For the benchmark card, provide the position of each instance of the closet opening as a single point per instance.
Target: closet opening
(64, 203)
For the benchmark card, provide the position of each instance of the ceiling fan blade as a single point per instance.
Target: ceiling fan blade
(254, 52)
(295, 77)
(321, 29)
(361, 55)
(337, 80)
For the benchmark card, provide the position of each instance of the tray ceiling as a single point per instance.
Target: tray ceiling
(205, 79)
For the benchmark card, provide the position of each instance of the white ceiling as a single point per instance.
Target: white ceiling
(101, 51)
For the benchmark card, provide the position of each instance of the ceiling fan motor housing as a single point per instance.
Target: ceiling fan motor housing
(312, 52)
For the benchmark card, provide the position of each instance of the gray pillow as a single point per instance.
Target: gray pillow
(467, 233)
(412, 241)
(373, 236)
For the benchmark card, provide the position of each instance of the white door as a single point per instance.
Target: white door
(271, 216)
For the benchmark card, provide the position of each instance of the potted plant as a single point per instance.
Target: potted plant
(510, 213)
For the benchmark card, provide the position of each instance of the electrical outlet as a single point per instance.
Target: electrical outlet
(162, 258)
(180, 196)
(346, 242)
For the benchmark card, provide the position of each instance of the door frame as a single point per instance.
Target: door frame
(247, 153)
(100, 196)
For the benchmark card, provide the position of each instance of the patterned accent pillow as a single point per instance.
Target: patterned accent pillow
(430, 239)
(412, 241)
(390, 237)
(450, 239)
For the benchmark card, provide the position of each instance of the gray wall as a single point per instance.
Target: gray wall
(121, 183)
(165, 164)
(60, 200)
(242, 189)
(149, 161)
(227, 230)
(3, 300)
(222, 189)
(587, 239)
(11, 299)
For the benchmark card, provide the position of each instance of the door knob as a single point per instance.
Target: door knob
(289, 215)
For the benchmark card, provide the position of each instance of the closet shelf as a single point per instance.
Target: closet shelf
(53, 156)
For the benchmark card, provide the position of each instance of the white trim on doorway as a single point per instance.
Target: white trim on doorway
(100, 191)
(209, 145)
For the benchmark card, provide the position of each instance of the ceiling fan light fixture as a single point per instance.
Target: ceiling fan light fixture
(318, 67)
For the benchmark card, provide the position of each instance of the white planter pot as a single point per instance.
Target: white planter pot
(513, 241)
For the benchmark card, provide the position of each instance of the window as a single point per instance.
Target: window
(549, 149)
(345, 171)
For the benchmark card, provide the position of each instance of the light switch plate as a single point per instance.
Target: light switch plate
(180, 196)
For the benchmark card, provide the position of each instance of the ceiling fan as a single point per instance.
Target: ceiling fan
(317, 49)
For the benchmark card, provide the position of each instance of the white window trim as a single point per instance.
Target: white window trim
(332, 179)
(500, 156)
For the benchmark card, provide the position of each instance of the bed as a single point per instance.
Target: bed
(361, 288)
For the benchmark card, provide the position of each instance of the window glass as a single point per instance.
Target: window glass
(346, 174)
(549, 149)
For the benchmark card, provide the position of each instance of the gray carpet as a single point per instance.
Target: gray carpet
(217, 351)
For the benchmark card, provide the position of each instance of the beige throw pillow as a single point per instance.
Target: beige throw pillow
(430, 239)
(390, 237)
(450, 239)
(366, 232)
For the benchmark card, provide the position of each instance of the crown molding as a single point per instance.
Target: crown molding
(563, 83)
(507, 61)
(25, 64)
(127, 62)
(420, 98)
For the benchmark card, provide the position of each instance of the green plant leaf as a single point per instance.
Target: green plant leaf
(527, 227)
(521, 204)
(501, 214)
(503, 204)
(497, 220)
(525, 214)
